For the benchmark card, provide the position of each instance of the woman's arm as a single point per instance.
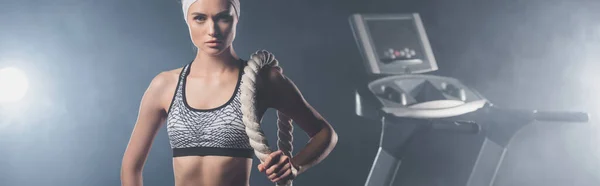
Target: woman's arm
(286, 98)
(150, 118)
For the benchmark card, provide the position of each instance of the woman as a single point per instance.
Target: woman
(201, 106)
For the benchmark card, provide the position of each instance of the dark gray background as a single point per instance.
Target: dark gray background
(89, 62)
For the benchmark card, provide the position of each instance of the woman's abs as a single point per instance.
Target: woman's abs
(211, 171)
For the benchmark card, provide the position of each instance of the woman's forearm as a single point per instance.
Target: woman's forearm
(317, 149)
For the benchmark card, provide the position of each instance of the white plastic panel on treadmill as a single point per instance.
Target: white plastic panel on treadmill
(425, 96)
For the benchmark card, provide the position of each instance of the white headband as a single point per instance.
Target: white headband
(187, 3)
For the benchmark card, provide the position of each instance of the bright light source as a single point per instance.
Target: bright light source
(13, 85)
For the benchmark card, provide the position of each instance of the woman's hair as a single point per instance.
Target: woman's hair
(185, 5)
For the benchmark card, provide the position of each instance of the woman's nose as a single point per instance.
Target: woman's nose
(212, 29)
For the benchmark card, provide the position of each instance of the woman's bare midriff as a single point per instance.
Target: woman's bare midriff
(211, 171)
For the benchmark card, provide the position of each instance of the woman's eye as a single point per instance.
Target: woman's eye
(226, 18)
(199, 18)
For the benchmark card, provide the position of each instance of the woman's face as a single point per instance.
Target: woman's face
(212, 25)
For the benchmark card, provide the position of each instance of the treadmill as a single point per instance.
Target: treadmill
(411, 105)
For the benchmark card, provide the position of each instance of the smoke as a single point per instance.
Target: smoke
(549, 62)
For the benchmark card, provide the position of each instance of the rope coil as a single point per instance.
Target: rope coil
(259, 60)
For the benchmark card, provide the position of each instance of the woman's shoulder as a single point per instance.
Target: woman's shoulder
(167, 76)
(165, 80)
(173, 73)
(163, 85)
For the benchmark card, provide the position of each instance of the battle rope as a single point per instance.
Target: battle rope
(259, 60)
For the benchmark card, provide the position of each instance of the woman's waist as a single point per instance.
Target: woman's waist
(211, 170)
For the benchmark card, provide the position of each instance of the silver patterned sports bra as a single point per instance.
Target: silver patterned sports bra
(199, 132)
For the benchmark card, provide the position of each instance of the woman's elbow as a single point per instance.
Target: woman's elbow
(130, 166)
(333, 137)
(131, 175)
(329, 136)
